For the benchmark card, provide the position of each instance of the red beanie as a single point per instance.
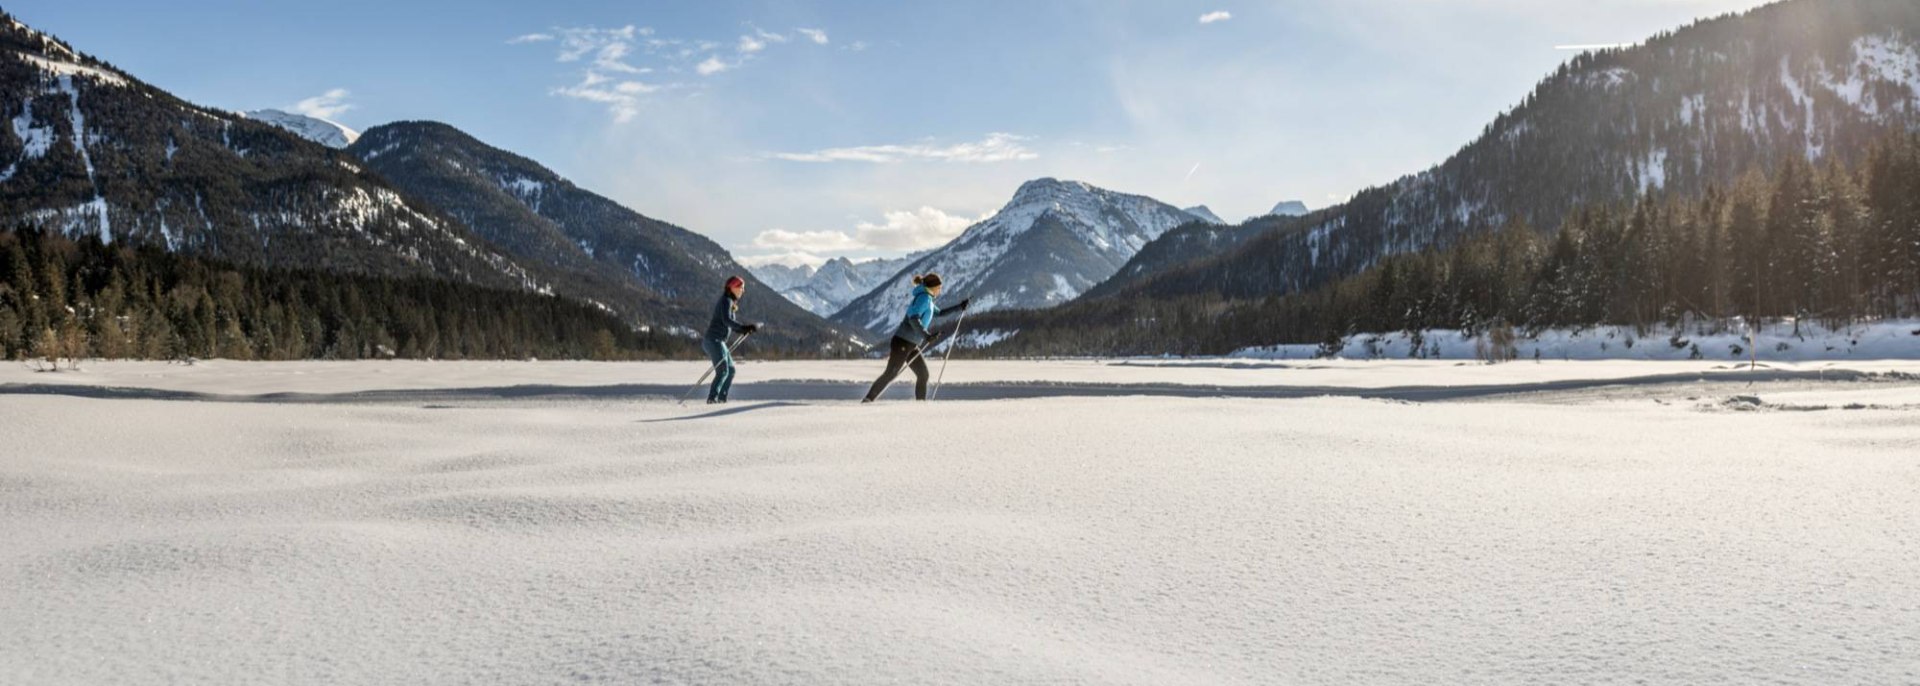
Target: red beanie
(733, 281)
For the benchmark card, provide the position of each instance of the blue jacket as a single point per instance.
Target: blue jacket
(917, 325)
(723, 323)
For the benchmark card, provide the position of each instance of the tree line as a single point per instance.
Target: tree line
(75, 299)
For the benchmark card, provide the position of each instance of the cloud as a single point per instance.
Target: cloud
(327, 105)
(808, 241)
(996, 147)
(1216, 15)
(913, 229)
(790, 259)
(622, 98)
(899, 230)
(711, 65)
(576, 43)
(614, 57)
(858, 46)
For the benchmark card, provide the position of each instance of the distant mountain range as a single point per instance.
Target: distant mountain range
(93, 151)
(826, 289)
(1050, 243)
(1684, 112)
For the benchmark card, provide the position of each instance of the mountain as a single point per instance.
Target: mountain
(840, 281)
(1683, 112)
(89, 150)
(1700, 108)
(1288, 208)
(1052, 241)
(322, 131)
(1182, 245)
(1205, 215)
(783, 277)
(826, 289)
(651, 272)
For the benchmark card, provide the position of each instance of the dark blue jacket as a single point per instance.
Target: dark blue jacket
(917, 325)
(723, 323)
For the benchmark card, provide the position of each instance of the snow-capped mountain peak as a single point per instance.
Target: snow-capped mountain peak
(826, 289)
(327, 133)
(1289, 208)
(1203, 214)
(1053, 240)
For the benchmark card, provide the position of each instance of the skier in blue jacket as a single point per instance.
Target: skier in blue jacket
(915, 334)
(719, 328)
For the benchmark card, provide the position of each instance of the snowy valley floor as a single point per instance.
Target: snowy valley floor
(1063, 522)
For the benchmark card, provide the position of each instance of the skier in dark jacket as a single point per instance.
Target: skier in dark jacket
(719, 329)
(914, 334)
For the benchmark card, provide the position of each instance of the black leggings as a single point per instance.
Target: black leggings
(902, 351)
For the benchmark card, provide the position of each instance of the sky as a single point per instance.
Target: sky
(793, 130)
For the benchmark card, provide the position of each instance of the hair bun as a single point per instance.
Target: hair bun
(916, 279)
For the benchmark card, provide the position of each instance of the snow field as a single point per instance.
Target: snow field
(1076, 540)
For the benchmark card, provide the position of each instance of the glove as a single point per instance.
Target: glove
(965, 303)
(931, 337)
(750, 328)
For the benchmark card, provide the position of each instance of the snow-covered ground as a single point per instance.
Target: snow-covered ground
(1678, 526)
(250, 379)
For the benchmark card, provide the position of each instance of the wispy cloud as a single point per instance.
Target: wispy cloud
(996, 147)
(327, 105)
(1216, 15)
(622, 98)
(609, 78)
(615, 57)
(919, 229)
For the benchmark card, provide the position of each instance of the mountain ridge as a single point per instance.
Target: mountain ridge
(654, 273)
(1681, 112)
(95, 151)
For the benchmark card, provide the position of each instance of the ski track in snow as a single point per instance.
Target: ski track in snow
(1063, 540)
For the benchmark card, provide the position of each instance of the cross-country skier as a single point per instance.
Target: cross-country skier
(914, 335)
(719, 329)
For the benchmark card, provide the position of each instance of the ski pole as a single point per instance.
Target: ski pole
(962, 321)
(710, 370)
